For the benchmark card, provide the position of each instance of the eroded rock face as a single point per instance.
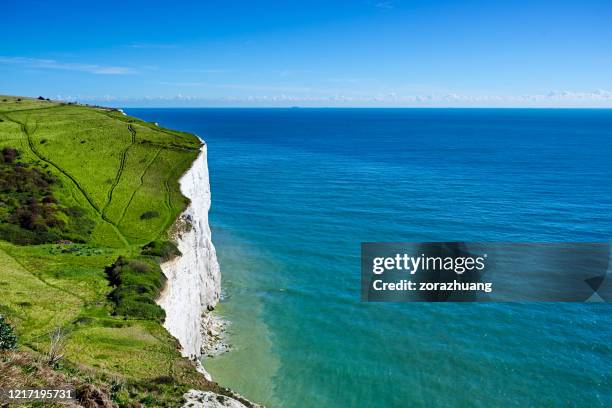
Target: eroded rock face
(193, 287)
(194, 278)
(207, 399)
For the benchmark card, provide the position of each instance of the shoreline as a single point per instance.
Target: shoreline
(214, 331)
(193, 286)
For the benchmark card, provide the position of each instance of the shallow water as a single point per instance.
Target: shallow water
(295, 192)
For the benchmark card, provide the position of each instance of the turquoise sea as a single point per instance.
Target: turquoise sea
(295, 192)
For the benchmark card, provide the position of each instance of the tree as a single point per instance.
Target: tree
(8, 340)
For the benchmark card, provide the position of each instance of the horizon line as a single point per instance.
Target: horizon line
(358, 107)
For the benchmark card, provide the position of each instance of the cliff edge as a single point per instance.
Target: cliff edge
(193, 284)
(194, 278)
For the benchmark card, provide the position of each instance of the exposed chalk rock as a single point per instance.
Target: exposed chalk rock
(214, 330)
(193, 279)
(207, 399)
(193, 286)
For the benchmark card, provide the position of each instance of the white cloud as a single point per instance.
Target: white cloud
(67, 66)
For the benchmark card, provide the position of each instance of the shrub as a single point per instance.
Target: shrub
(49, 199)
(31, 214)
(140, 267)
(8, 340)
(148, 215)
(20, 236)
(74, 212)
(164, 249)
(57, 345)
(141, 309)
(137, 284)
(9, 155)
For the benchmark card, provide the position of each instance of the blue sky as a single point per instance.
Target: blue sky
(310, 53)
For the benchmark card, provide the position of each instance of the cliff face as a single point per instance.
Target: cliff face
(194, 283)
(194, 279)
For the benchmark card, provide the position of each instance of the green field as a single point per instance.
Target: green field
(122, 174)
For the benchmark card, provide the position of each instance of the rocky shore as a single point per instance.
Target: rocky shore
(214, 333)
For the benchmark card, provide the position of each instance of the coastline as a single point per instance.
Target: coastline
(117, 331)
(193, 283)
(193, 286)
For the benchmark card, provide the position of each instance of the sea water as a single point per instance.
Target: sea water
(295, 192)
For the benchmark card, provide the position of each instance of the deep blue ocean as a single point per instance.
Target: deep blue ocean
(295, 192)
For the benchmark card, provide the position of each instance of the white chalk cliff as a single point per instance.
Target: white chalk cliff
(193, 279)
(193, 285)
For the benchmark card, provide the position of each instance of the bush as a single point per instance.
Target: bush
(140, 267)
(166, 250)
(74, 212)
(9, 155)
(141, 309)
(8, 340)
(20, 236)
(137, 284)
(148, 215)
(49, 199)
(31, 214)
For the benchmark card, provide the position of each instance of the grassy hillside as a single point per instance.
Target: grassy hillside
(120, 175)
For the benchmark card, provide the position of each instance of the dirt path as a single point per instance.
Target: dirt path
(120, 170)
(144, 172)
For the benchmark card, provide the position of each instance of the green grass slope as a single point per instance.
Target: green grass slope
(123, 174)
